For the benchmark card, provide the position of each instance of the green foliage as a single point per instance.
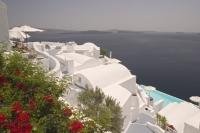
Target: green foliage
(103, 52)
(3, 46)
(1, 60)
(26, 90)
(91, 98)
(104, 110)
(161, 121)
(117, 118)
(26, 81)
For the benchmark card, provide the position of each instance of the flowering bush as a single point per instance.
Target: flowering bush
(29, 101)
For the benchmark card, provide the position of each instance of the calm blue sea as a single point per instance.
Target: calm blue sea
(168, 61)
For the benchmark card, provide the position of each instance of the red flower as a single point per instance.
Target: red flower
(48, 99)
(32, 104)
(27, 128)
(76, 127)
(20, 86)
(67, 112)
(2, 119)
(23, 117)
(16, 107)
(3, 80)
(21, 124)
(16, 127)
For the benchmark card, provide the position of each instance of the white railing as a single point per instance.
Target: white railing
(56, 69)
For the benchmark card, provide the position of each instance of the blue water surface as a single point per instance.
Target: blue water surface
(158, 95)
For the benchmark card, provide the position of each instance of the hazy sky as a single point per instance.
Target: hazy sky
(148, 15)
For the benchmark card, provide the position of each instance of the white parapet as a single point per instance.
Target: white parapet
(4, 37)
(154, 128)
(56, 69)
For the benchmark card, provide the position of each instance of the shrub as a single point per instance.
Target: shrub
(161, 121)
(29, 100)
(103, 109)
(104, 52)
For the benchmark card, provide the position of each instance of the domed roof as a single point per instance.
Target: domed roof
(90, 46)
(105, 75)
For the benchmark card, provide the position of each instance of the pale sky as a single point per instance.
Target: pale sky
(137, 15)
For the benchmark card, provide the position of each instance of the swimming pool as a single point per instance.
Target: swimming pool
(158, 95)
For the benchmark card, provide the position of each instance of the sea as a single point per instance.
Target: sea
(170, 62)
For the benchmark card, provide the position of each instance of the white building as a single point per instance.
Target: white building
(67, 58)
(184, 116)
(72, 62)
(4, 37)
(88, 49)
(114, 80)
(88, 70)
(53, 64)
(74, 57)
(192, 125)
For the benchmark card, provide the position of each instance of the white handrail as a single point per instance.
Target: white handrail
(57, 69)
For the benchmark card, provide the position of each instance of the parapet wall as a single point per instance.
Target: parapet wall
(4, 36)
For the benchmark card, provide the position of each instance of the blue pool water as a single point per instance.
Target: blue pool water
(158, 95)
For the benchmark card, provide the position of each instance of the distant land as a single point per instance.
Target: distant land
(112, 31)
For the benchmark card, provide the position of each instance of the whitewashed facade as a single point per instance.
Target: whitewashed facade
(4, 37)
(89, 70)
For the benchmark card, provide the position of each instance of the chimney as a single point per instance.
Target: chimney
(110, 54)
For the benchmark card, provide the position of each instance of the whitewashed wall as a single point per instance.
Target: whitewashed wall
(190, 129)
(81, 81)
(96, 53)
(54, 64)
(4, 37)
(88, 64)
(45, 64)
(130, 84)
(130, 111)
